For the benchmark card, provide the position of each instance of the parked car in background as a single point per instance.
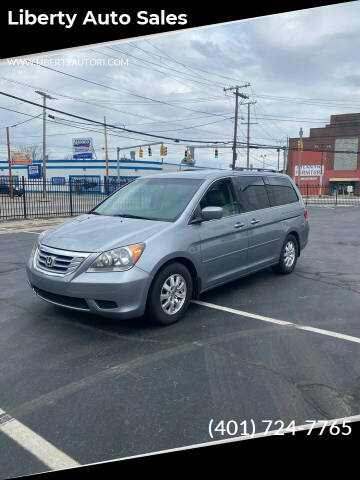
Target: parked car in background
(162, 240)
(5, 190)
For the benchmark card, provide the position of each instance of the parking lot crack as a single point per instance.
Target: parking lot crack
(287, 378)
(316, 277)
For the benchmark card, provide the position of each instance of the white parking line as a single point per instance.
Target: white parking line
(328, 333)
(52, 457)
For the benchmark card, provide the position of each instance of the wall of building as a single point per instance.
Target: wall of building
(339, 142)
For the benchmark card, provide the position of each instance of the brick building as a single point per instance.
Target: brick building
(330, 156)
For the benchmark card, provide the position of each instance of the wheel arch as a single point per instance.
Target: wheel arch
(187, 263)
(297, 236)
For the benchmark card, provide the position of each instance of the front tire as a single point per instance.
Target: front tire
(288, 256)
(170, 294)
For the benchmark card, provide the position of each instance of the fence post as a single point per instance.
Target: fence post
(70, 198)
(24, 196)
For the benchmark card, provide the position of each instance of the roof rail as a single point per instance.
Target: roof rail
(256, 169)
(189, 169)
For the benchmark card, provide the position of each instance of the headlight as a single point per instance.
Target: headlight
(117, 260)
(37, 242)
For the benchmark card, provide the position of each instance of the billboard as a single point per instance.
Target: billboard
(309, 170)
(82, 148)
(21, 158)
(82, 145)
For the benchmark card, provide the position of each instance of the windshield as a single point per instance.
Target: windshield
(152, 199)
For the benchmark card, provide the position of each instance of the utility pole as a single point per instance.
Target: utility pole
(45, 96)
(323, 148)
(278, 166)
(237, 94)
(106, 157)
(118, 165)
(9, 160)
(284, 160)
(248, 138)
(248, 123)
(299, 163)
(286, 151)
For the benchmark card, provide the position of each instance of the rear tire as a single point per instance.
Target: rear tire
(288, 256)
(170, 294)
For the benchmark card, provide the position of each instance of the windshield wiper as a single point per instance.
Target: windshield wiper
(128, 215)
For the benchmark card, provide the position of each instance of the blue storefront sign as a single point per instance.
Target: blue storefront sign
(34, 171)
(58, 180)
(82, 156)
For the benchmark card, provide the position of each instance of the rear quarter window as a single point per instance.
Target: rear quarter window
(280, 191)
(252, 193)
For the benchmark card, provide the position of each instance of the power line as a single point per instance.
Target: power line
(196, 68)
(102, 123)
(129, 92)
(182, 74)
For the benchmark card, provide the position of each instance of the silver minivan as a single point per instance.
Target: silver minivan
(160, 241)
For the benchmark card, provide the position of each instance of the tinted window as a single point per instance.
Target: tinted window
(252, 193)
(152, 198)
(221, 194)
(280, 191)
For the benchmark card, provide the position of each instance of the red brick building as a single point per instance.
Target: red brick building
(330, 156)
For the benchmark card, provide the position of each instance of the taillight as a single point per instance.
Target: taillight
(305, 214)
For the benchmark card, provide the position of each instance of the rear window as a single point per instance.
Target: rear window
(281, 191)
(252, 193)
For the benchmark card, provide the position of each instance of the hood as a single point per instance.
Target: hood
(96, 233)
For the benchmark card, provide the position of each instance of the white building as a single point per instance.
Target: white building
(58, 172)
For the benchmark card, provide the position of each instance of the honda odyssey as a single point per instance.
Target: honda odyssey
(158, 242)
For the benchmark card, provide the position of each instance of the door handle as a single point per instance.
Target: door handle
(254, 222)
(239, 225)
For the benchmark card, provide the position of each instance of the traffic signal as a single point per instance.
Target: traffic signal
(216, 153)
(165, 151)
(140, 152)
(186, 156)
(149, 150)
(300, 145)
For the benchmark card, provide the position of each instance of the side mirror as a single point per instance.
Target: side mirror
(211, 213)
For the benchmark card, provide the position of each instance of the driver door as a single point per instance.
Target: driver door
(224, 242)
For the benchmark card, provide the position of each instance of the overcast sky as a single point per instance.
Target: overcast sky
(172, 85)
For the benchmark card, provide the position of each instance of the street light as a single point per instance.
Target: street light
(45, 96)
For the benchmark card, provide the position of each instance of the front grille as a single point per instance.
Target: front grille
(74, 302)
(56, 261)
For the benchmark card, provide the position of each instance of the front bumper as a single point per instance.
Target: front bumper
(90, 292)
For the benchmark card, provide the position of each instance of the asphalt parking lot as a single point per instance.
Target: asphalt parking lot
(91, 389)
